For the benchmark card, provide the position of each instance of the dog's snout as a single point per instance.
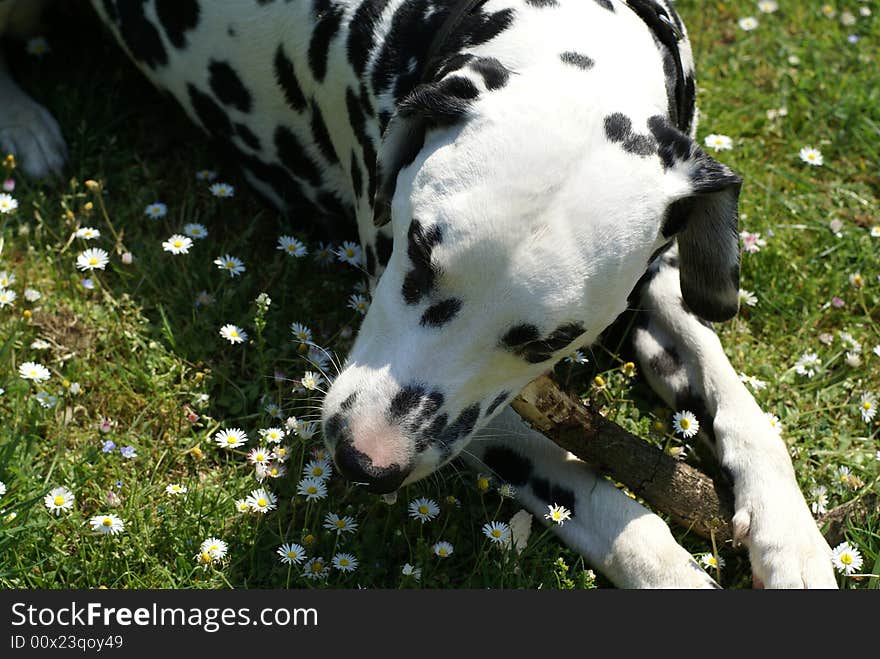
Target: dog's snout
(359, 468)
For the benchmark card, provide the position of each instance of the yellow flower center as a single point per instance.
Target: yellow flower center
(442, 552)
(344, 562)
(317, 568)
(93, 261)
(206, 557)
(292, 554)
(685, 423)
(423, 510)
(340, 524)
(312, 489)
(496, 533)
(483, 483)
(317, 471)
(261, 502)
(107, 522)
(867, 405)
(59, 500)
(230, 264)
(230, 440)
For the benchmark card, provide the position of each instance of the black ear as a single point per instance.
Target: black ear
(705, 224)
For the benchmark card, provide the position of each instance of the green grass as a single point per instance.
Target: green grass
(144, 356)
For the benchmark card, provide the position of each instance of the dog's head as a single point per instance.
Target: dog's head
(522, 219)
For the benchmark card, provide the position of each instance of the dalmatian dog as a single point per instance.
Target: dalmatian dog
(520, 173)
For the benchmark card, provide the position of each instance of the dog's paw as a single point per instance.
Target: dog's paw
(785, 546)
(32, 135)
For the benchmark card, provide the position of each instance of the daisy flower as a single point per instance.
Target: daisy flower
(497, 532)
(324, 254)
(748, 23)
(206, 175)
(274, 470)
(58, 499)
(868, 406)
(301, 333)
(156, 209)
(242, 506)
(177, 244)
(359, 303)
(306, 429)
(233, 334)
(316, 569)
(411, 571)
(280, 453)
(231, 264)
(2, 488)
(311, 380)
(93, 259)
(350, 253)
(846, 558)
(856, 280)
(506, 491)
(768, 6)
(318, 469)
(259, 456)
(175, 488)
(345, 562)
(273, 435)
(820, 500)
(577, 357)
(443, 549)
(46, 399)
(107, 524)
(291, 553)
(773, 420)
(34, 371)
(7, 279)
(333, 522)
(87, 233)
(7, 297)
(685, 423)
(747, 297)
(557, 514)
(808, 364)
(753, 382)
(711, 561)
(853, 359)
(7, 203)
(230, 437)
(423, 509)
(195, 230)
(312, 488)
(292, 246)
(811, 156)
(261, 501)
(215, 547)
(875, 231)
(718, 142)
(752, 242)
(222, 190)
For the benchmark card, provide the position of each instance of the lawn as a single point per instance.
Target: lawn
(141, 379)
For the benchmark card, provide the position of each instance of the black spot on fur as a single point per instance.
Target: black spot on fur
(321, 136)
(405, 401)
(542, 3)
(442, 103)
(494, 73)
(329, 16)
(371, 260)
(227, 86)
(286, 77)
(535, 350)
(247, 136)
(357, 180)
(577, 59)
(554, 495)
(677, 215)
(665, 363)
(673, 144)
(496, 402)
(461, 427)
(348, 403)
(140, 35)
(210, 114)
(519, 335)
(293, 156)
(605, 4)
(420, 243)
(361, 33)
(509, 466)
(618, 128)
(441, 313)
(176, 18)
(384, 247)
(358, 122)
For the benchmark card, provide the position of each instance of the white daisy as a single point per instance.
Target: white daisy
(231, 264)
(868, 406)
(195, 230)
(411, 571)
(345, 562)
(685, 423)
(811, 156)
(7, 279)
(312, 488)
(2, 488)
(216, 547)
(808, 364)
(230, 437)
(107, 524)
(768, 6)
(175, 488)
(261, 501)
(7, 203)
(753, 382)
(747, 297)
(712, 561)
(222, 190)
(497, 532)
(301, 333)
(333, 522)
(359, 303)
(34, 371)
(350, 253)
(157, 209)
(32, 294)
(846, 558)
(718, 142)
(443, 549)
(577, 357)
(58, 499)
(273, 435)
(748, 23)
(306, 429)
(558, 514)
(773, 420)
(206, 175)
(7, 297)
(820, 500)
(93, 259)
(260, 456)
(242, 506)
(291, 553)
(423, 509)
(177, 244)
(292, 246)
(88, 233)
(233, 334)
(318, 469)
(311, 380)
(316, 569)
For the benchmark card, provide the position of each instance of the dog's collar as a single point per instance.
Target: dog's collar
(457, 13)
(669, 34)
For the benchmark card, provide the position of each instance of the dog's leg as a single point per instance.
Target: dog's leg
(27, 130)
(683, 360)
(627, 543)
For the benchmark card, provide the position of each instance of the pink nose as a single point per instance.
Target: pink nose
(358, 468)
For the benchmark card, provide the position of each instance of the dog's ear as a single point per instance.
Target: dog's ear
(704, 223)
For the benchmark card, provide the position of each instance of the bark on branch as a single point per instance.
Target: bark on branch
(688, 496)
